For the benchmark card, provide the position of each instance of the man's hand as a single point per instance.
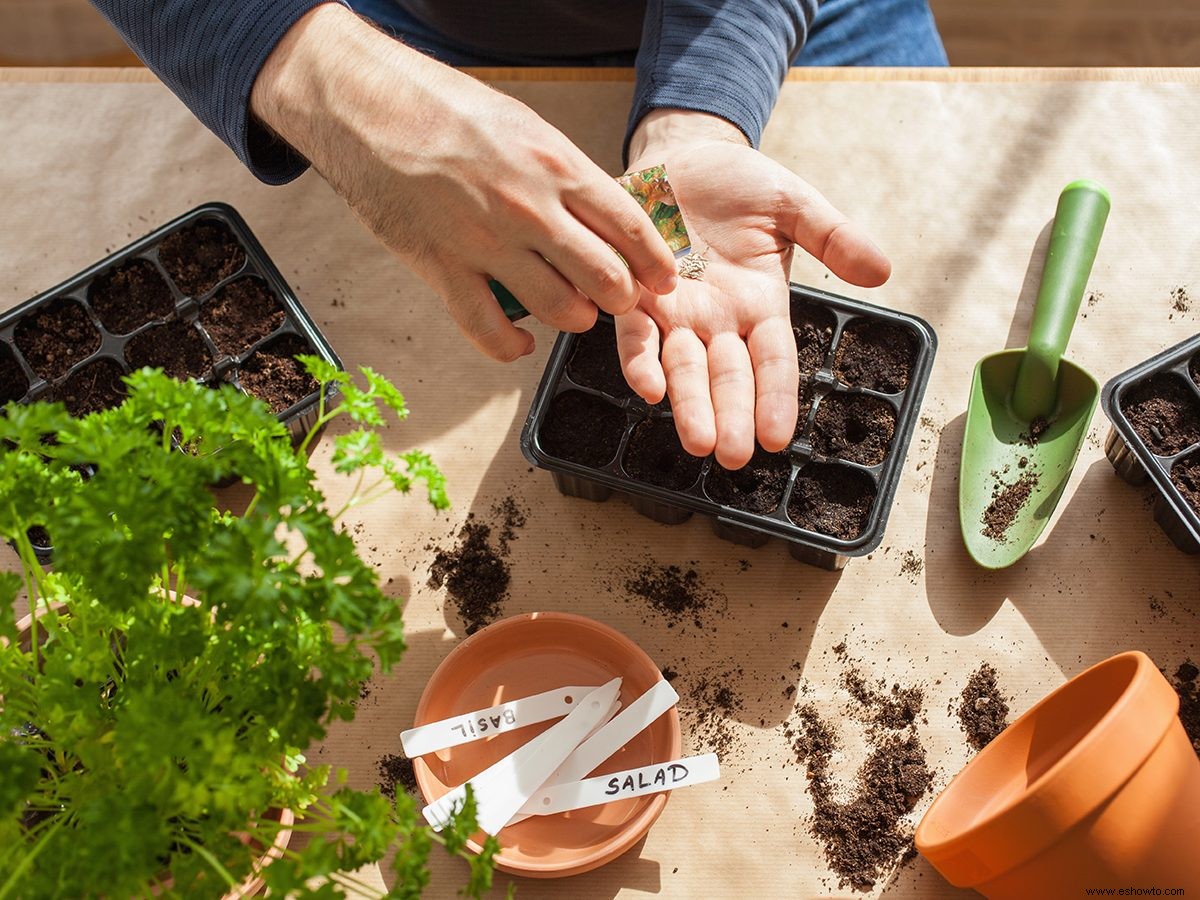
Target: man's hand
(461, 181)
(728, 355)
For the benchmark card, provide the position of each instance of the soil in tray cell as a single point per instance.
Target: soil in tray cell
(130, 295)
(581, 428)
(757, 487)
(1194, 369)
(833, 500)
(241, 314)
(654, 455)
(804, 400)
(200, 255)
(273, 375)
(813, 327)
(13, 383)
(55, 337)
(877, 356)
(854, 427)
(594, 362)
(95, 387)
(176, 347)
(1164, 412)
(1185, 475)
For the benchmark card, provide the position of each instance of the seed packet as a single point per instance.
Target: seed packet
(653, 192)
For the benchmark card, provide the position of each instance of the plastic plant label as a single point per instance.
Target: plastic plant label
(652, 191)
(483, 723)
(629, 783)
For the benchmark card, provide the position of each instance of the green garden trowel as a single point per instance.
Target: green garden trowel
(1030, 409)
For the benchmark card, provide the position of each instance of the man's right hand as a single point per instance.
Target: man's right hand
(463, 182)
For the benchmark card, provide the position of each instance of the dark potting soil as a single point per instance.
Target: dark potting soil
(55, 337)
(39, 537)
(655, 455)
(13, 383)
(130, 295)
(241, 314)
(199, 256)
(595, 363)
(813, 327)
(854, 427)
(95, 387)
(1185, 475)
(1187, 686)
(475, 571)
(895, 708)
(983, 710)
(1180, 301)
(1007, 502)
(274, 375)
(678, 595)
(711, 703)
(396, 773)
(582, 428)
(1164, 412)
(176, 347)
(863, 835)
(833, 500)
(757, 487)
(875, 355)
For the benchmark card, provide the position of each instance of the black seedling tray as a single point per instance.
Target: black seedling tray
(1157, 457)
(184, 307)
(609, 400)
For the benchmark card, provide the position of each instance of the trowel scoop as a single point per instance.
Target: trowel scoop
(1030, 409)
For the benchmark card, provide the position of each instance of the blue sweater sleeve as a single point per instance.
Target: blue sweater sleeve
(716, 56)
(208, 54)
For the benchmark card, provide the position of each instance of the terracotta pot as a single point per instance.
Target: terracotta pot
(1096, 786)
(252, 885)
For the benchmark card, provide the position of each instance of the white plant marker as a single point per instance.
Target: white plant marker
(483, 723)
(623, 785)
(502, 788)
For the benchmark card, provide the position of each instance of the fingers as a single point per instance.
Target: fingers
(731, 380)
(685, 363)
(478, 315)
(772, 348)
(616, 218)
(812, 222)
(545, 293)
(637, 345)
(592, 266)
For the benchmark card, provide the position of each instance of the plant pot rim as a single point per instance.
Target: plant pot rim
(970, 843)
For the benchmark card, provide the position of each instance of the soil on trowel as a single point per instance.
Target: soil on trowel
(677, 594)
(582, 428)
(1187, 686)
(813, 327)
(274, 375)
(130, 295)
(475, 571)
(201, 255)
(1164, 412)
(176, 347)
(757, 487)
(1007, 502)
(55, 337)
(655, 455)
(594, 362)
(95, 387)
(875, 355)
(396, 775)
(832, 499)
(241, 314)
(854, 427)
(13, 383)
(982, 708)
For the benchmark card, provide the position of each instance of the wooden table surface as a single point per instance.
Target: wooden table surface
(955, 172)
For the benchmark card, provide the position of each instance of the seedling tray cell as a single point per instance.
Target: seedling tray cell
(1154, 409)
(864, 370)
(198, 297)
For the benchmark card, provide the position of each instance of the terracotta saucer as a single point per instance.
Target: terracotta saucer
(525, 655)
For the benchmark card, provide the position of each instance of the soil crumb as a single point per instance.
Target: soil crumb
(983, 711)
(708, 705)
(911, 566)
(678, 595)
(475, 571)
(1180, 301)
(1187, 686)
(1037, 428)
(895, 709)
(396, 771)
(1007, 503)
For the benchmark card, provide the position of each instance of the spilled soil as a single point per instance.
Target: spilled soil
(983, 708)
(396, 775)
(676, 594)
(1187, 685)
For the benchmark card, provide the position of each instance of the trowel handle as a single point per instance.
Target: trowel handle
(511, 305)
(1078, 224)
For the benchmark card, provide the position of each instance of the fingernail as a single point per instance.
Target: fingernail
(667, 284)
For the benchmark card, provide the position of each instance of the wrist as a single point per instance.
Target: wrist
(662, 132)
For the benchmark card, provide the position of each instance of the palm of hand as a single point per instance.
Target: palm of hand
(728, 356)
